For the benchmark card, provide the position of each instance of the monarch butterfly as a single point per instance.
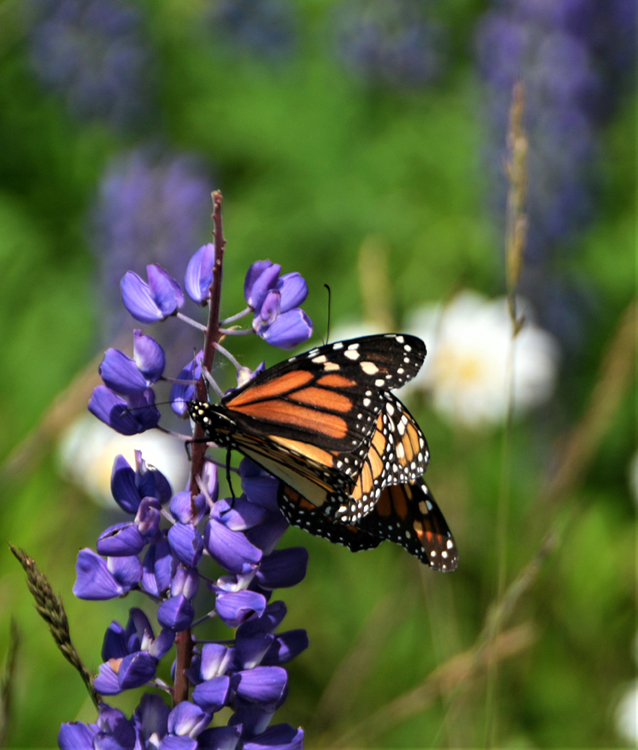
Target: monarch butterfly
(405, 513)
(348, 453)
(310, 420)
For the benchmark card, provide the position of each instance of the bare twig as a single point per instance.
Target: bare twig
(51, 609)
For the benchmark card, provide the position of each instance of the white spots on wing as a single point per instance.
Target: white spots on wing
(444, 554)
(352, 354)
(406, 360)
(331, 367)
(319, 360)
(379, 382)
(369, 368)
(423, 508)
(400, 451)
(400, 371)
(390, 409)
(366, 402)
(400, 339)
(337, 346)
(407, 348)
(352, 347)
(429, 504)
(449, 544)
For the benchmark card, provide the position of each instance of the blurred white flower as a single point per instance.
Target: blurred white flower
(467, 366)
(627, 715)
(88, 448)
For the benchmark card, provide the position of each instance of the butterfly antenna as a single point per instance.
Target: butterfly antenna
(329, 306)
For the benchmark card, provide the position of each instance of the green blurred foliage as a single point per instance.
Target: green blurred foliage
(311, 164)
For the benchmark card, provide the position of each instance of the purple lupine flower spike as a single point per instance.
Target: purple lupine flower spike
(157, 551)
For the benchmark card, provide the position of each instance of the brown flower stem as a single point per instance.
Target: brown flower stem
(184, 640)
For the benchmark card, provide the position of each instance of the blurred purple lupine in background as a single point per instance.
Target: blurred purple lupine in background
(93, 53)
(389, 42)
(265, 28)
(574, 57)
(151, 207)
(167, 562)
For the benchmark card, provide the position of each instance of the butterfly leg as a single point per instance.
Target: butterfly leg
(228, 478)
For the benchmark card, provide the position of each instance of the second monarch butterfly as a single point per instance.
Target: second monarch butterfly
(310, 420)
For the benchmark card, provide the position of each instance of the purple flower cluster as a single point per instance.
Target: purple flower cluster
(92, 53)
(570, 55)
(266, 28)
(174, 543)
(274, 299)
(150, 207)
(389, 42)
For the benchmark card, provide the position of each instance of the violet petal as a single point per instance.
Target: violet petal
(285, 647)
(151, 716)
(234, 608)
(127, 571)
(106, 682)
(176, 613)
(268, 622)
(121, 374)
(219, 738)
(243, 514)
(267, 535)
(215, 660)
(290, 329)
(283, 568)
(166, 291)
(293, 289)
(212, 694)
(185, 581)
(280, 736)
(262, 685)
(114, 643)
(187, 544)
(114, 411)
(188, 509)
(138, 300)
(187, 719)
(251, 650)
(136, 670)
(122, 539)
(149, 356)
(94, 580)
(123, 487)
(229, 548)
(74, 735)
(199, 274)
(256, 289)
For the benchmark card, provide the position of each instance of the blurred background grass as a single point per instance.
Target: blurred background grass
(343, 135)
